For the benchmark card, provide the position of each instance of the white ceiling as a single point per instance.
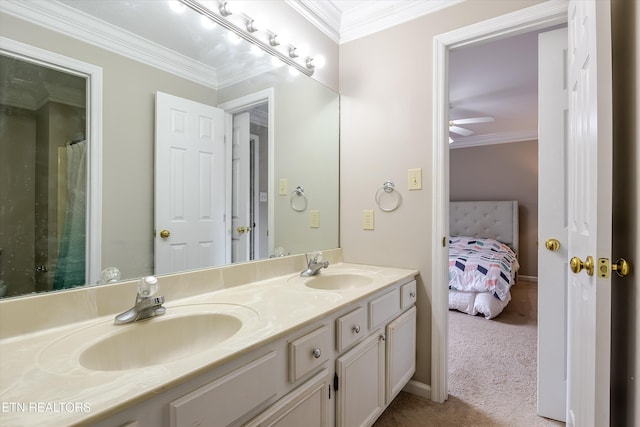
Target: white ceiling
(497, 79)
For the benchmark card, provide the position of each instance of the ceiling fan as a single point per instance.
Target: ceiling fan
(455, 128)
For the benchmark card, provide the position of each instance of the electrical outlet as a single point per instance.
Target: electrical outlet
(284, 186)
(415, 179)
(314, 220)
(367, 220)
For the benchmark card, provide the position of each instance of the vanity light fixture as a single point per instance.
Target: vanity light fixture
(307, 66)
(225, 9)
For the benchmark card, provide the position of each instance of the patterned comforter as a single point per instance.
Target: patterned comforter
(481, 265)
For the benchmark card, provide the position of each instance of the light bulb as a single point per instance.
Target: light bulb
(176, 6)
(319, 61)
(302, 50)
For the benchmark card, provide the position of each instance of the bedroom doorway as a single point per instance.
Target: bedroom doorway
(535, 18)
(589, 153)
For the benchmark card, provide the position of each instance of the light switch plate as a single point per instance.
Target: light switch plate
(284, 186)
(314, 220)
(367, 220)
(415, 179)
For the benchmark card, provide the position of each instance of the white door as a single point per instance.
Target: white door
(189, 185)
(589, 206)
(552, 225)
(241, 226)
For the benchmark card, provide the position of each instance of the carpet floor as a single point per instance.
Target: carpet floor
(492, 372)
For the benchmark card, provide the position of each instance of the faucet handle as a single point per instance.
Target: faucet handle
(147, 286)
(316, 256)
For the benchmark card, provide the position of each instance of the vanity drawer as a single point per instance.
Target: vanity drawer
(309, 352)
(408, 295)
(350, 328)
(383, 308)
(224, 400)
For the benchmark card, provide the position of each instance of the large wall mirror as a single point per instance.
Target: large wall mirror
(282, 199)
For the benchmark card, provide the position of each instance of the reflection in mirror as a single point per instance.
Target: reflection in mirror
(44, 171)
(293, 135)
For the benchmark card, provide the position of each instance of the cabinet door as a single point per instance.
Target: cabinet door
(401, 352)
(305, 406)
(360, 392)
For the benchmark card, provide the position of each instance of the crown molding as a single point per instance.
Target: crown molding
(494, 138)
(324, 15)
(76, 24)
(366, 19)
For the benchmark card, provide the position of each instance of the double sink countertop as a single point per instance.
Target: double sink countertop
(62, 376)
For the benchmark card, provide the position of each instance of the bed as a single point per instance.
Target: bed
(483, 248)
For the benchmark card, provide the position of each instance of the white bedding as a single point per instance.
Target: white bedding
(481, 273)
(474, 303)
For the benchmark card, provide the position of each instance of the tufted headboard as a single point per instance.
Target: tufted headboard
(487, 219)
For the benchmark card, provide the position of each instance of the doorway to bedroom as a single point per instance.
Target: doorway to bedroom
(493, 363)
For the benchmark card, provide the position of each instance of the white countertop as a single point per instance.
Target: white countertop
(42, 382)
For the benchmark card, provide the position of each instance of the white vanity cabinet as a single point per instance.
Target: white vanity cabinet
(360, 376)
(308, 406)
(342, 370)
(372, 373)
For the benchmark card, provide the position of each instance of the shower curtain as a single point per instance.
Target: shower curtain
(70, 269)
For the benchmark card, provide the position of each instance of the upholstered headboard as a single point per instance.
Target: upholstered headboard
(486, 219)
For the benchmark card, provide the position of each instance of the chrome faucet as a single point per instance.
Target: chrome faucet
(314, 265)
(146, 305)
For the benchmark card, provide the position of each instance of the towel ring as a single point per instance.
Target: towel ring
(387, 198)
(298, 200)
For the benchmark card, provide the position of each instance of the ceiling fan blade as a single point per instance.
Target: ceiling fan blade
(471, 120)
(460, 131)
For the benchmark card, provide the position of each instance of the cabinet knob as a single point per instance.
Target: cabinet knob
(317, 353)
(382, 337)
(356, 329)
(412, 294)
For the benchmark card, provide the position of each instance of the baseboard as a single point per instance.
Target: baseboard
(529, 278)
(419, 389)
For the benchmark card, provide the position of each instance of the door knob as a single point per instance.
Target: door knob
(242, 229)
(552, 244)
(577, 265)
(165, 234)
(621, 267)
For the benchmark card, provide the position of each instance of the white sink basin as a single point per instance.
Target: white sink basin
(184, 331)
(338, 281)
(159, 340)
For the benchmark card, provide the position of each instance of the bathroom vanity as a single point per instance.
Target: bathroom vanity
(263, 349)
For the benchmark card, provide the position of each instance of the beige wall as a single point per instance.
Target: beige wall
(386, 110)
(625, 380)
(502, 172)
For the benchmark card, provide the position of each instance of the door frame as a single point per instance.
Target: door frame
(93, 76)
(238, 105)
(529, 19)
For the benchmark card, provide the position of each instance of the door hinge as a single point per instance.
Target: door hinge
(335, 382)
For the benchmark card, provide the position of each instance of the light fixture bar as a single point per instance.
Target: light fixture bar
(195, 5)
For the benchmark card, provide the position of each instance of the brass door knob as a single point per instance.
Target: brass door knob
(243, 229)
(621, 267)
(552, 244)
(577, 265)
(165, 234)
